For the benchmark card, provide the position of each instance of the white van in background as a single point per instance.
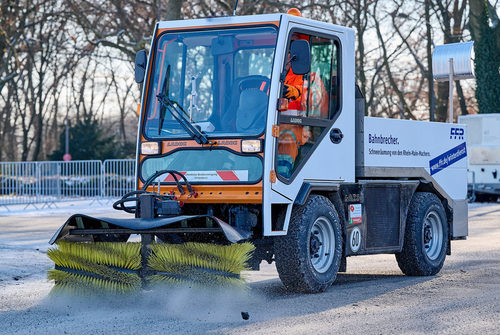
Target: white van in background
(483, 143)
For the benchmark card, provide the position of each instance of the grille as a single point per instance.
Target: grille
(382, 215)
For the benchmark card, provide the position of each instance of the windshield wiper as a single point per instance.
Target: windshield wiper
(177, 112)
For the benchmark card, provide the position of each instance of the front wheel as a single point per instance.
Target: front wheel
(426, 236)
(308, 257)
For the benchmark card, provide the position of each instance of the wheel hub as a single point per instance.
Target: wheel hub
(427, 234)
(315, 245)
(432, 235)
(322, 244)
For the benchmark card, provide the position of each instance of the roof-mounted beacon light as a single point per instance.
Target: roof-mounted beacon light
(294, 11)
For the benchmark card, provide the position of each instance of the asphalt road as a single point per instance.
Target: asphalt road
(373, 297)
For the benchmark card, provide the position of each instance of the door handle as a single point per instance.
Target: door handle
(336, 135)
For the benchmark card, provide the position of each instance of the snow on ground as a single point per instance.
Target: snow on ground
(96, 206)
(25, 233)
(76, 206)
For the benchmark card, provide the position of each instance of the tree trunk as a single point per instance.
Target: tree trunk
(476, 11)
(461, 98)
(361, 50)
(430, 79)
(173, 10)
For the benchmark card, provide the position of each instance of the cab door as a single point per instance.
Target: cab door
(315, 140)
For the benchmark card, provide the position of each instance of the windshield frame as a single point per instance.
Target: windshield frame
(150, 83)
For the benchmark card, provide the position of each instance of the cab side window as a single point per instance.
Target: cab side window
(312, 103)
(317, 82)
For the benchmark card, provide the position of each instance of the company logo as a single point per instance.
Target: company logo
(457, 133)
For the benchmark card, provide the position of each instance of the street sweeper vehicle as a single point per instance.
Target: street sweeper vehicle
(253, 146)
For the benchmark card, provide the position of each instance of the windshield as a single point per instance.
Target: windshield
(221, 79)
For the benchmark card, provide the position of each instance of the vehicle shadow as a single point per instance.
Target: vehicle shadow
(348, 289)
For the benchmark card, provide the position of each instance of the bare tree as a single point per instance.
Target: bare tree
(31, 90)
(14, 20)
(75, 58)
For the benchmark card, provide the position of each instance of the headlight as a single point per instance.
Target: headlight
(251, 146)
(150, 148)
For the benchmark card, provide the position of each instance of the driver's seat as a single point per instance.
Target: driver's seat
(251, 110)
(256, 82)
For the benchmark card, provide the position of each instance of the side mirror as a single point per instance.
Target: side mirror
(300, 57)
(140, 65)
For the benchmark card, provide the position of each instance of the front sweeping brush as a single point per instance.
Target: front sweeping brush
(115, 267)
(96, 267)
(200, 264)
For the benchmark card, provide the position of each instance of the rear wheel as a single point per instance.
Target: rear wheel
(308, 257)
(426, 236)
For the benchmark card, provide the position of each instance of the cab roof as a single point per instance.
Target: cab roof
(250, 19)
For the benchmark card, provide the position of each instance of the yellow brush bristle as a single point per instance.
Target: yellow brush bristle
(76, 283)
(199, 279)
(114, 267)
(102, 266)
(200, 263)
(123, 255)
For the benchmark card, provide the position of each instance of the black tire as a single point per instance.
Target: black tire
(426, 236)
(299, 265)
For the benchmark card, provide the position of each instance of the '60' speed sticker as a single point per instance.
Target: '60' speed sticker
(355, 239)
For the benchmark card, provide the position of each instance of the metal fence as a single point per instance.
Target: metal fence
(50, 182)
(118, 177)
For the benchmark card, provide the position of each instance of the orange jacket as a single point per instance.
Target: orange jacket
(296, 81)
(292, 137)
